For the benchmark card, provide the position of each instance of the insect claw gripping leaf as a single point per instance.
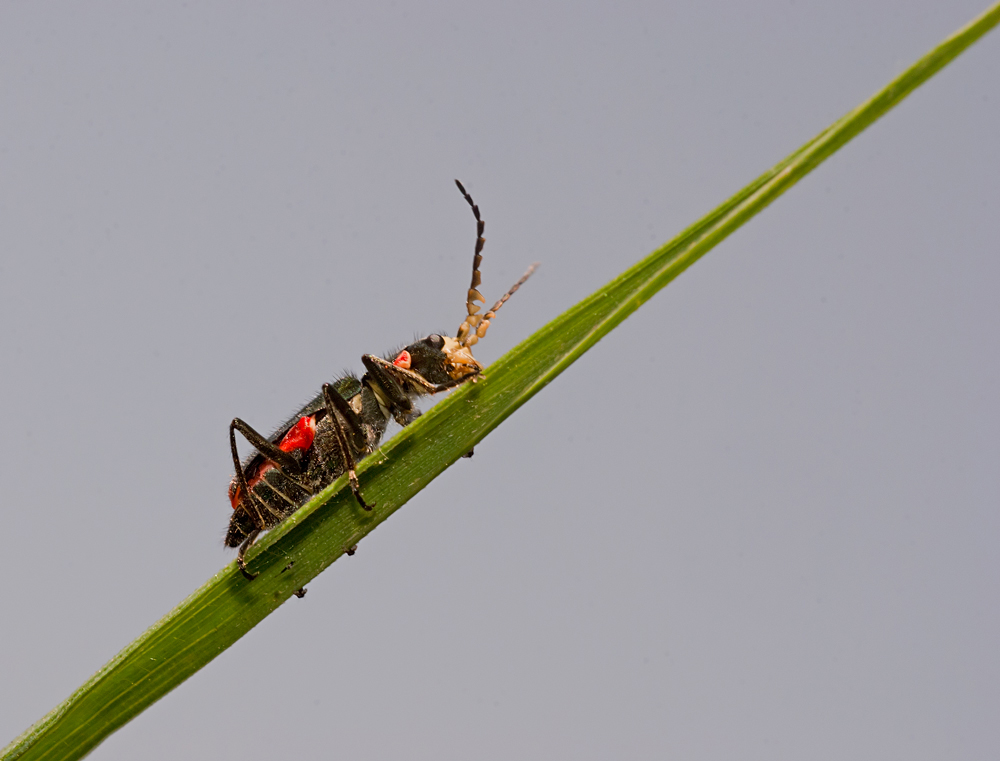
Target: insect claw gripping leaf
(345, 422)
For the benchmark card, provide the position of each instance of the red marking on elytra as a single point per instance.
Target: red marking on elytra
(403, 360)
(299, 436)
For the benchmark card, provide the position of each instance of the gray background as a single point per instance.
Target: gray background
(759, 520)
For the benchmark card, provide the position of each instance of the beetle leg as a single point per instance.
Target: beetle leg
(382, 373)
(255, 515)
(284, 461)
(352, 422)
(241, 555)
(270, 450)
(331, 397)
(388, 376)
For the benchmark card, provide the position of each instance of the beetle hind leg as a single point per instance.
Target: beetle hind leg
(241, 555)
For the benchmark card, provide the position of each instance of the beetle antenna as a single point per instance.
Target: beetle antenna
(476, 325)
(472, 320)
(484, 321)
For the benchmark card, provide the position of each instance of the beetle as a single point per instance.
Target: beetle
(346, 420)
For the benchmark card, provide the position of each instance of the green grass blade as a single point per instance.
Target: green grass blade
(227, 607)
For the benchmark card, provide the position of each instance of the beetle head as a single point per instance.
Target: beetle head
(438, 359)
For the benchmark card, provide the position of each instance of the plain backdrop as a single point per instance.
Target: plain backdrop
(759, 520)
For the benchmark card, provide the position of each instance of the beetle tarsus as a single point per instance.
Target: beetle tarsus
(356, 490)
(241, 555)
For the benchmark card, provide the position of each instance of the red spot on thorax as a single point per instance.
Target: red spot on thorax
(403, 360)
(299, 436)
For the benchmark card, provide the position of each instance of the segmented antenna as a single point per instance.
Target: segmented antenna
(481, 322)
(474, 295)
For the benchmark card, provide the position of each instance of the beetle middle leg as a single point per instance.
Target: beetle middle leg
(348, 430)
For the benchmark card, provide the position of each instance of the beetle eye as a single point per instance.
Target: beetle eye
(435, 340)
